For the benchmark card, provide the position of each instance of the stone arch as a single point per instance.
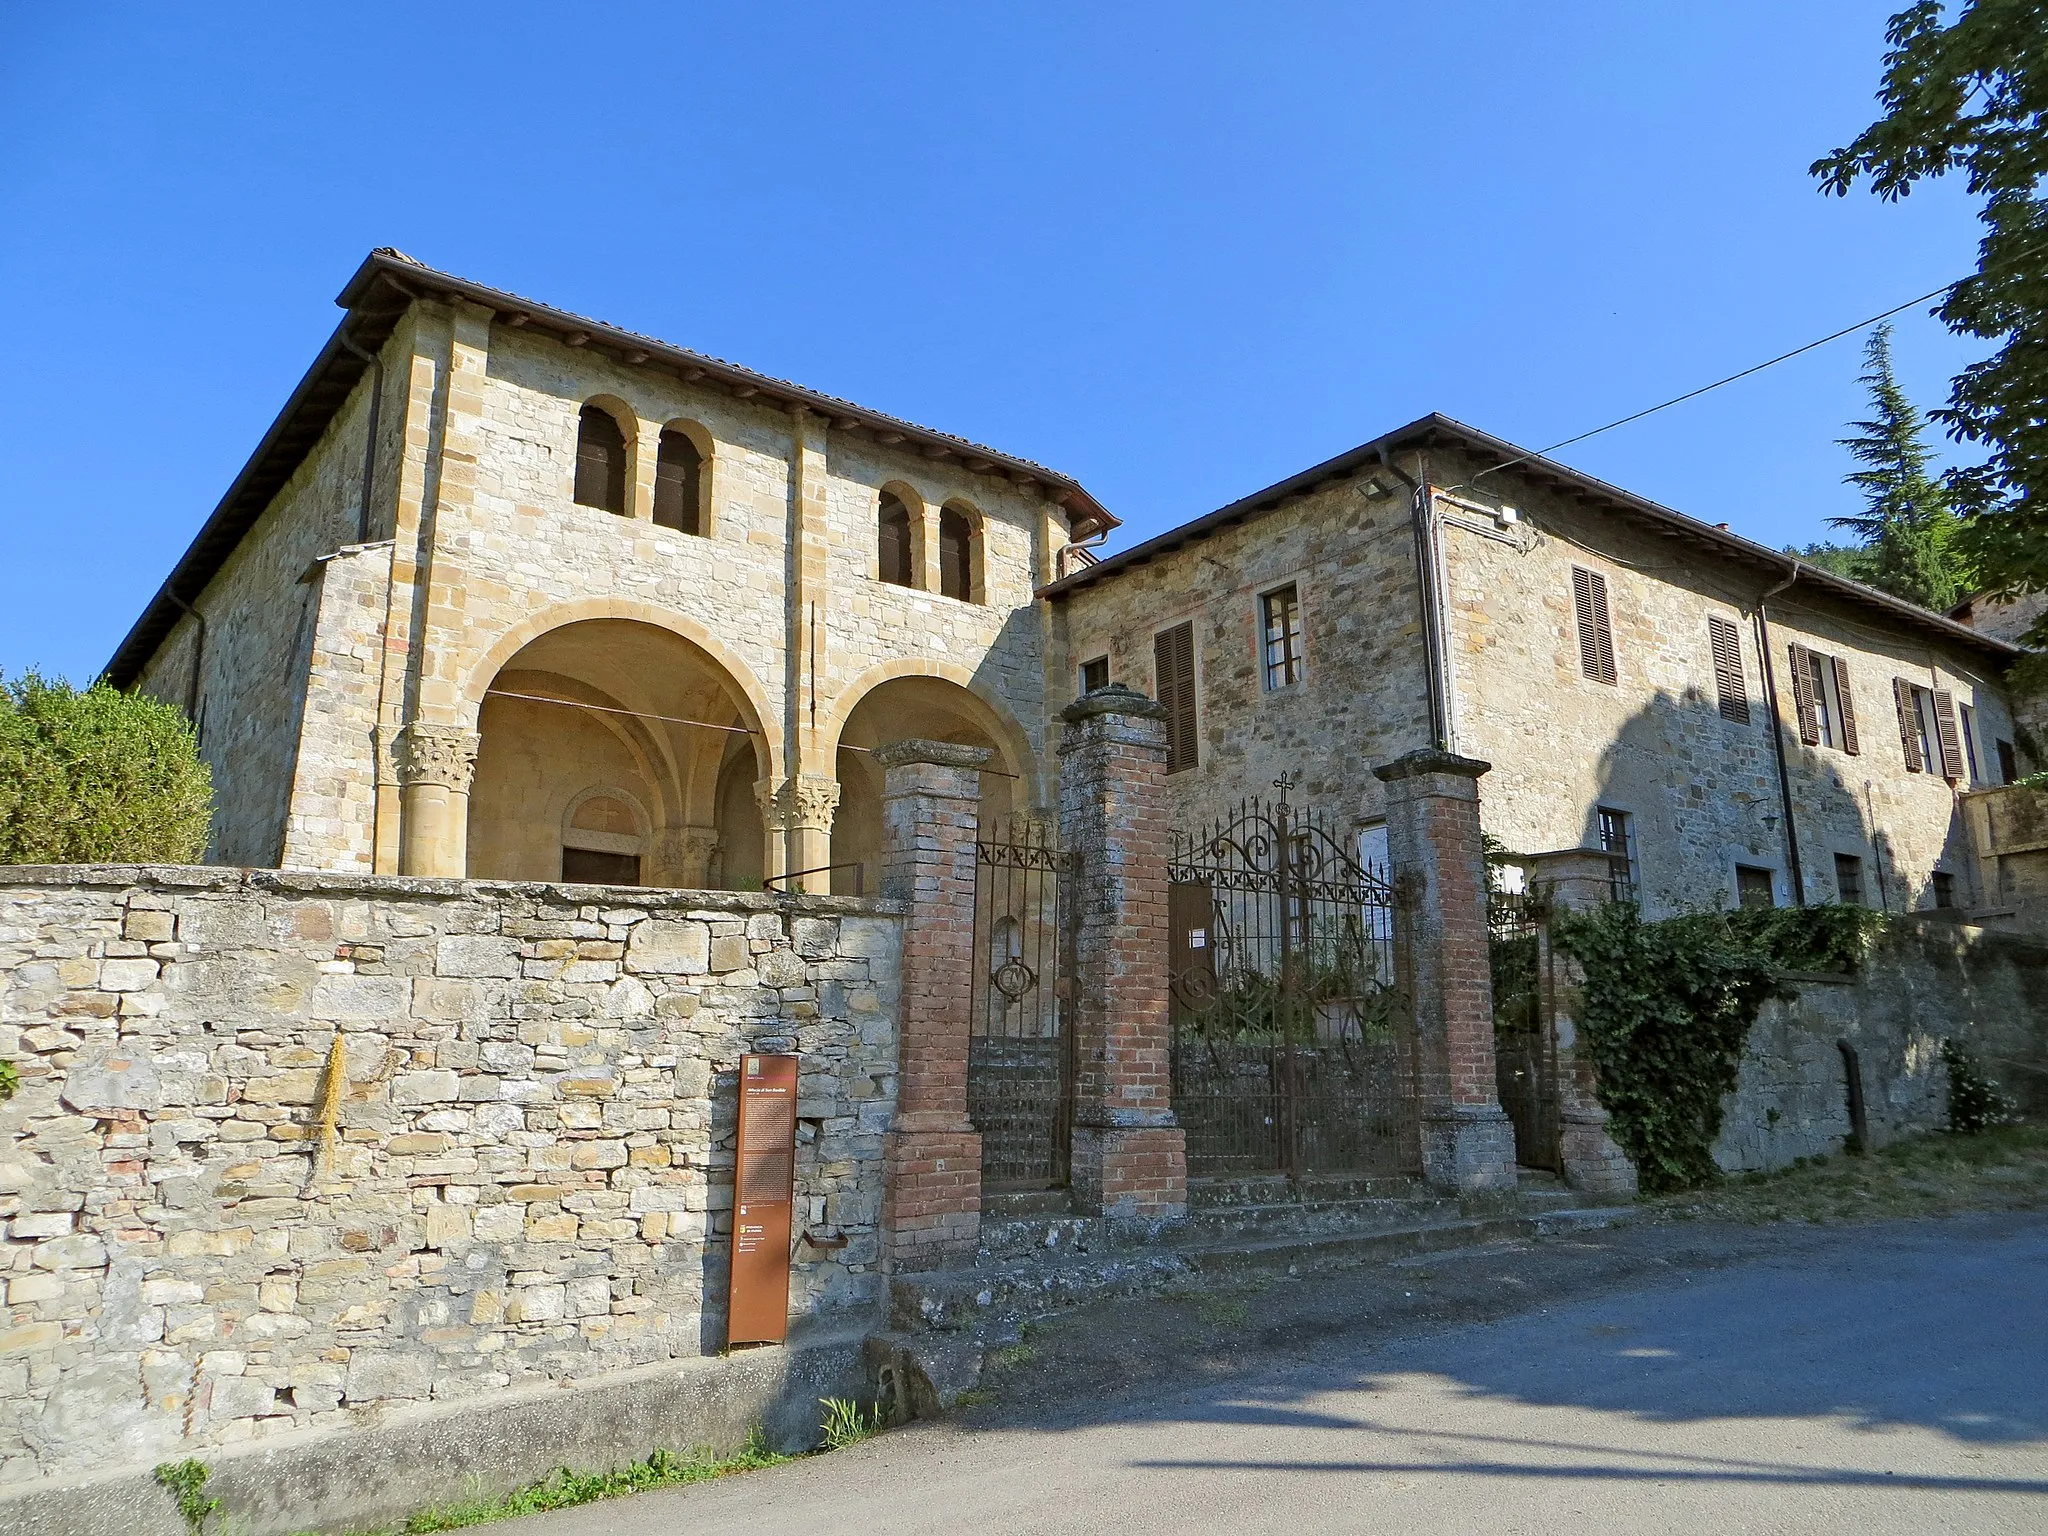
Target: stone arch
(915, 504)
(627, 420)
(707, 458)
(1009, 736)
(755, 708)
(916, 698)
(607, 697)
(977, 558)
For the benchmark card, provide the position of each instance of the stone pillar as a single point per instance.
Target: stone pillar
(1129, 1154)
(682, 857)
(1576, 880)
(1439, 869)
(931, 1206)
(798, 815)
(435, 766)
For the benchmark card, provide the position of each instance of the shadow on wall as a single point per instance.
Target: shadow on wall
(1695, 800)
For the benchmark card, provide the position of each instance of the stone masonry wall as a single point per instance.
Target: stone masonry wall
(261, 613)
(1363, 698)
(529, 1176)
(1702, 791)
(1928, 981)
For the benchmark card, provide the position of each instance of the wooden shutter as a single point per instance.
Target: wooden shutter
(1596, 635)
(678, 470)
(1945, 730)
(1173, 662)
(1909, 726)
(1848, 710)
(1728, 679)
(1802, 694)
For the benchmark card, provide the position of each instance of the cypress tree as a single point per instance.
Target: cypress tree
(1907, 527)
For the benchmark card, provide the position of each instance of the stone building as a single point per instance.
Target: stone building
(508, 593)
(1726, 722)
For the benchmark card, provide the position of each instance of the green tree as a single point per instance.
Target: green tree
(1848, 560)
(1971, 95)
(99, 777)
(1907, 529)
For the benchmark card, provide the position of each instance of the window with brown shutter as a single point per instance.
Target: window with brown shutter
(892, 542)
(1909, 724)
(1596, 634)
(678, 472)
(1845, 708)
(1173, 662)
(1945, 732)
(1802, 694)
(1728, 679)
(600, 461)
(956, 555)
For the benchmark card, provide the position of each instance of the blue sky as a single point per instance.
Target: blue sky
(1178, 252)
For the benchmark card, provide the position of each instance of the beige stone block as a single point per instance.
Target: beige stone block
(551, 1229)
(729, 953)
(447, 1224)
(30, 1337)
(26, 1290)
(150, 927)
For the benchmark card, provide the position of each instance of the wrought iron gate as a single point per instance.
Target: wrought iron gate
(1524, 1054)
(1020, 1071)
(1289, 1041)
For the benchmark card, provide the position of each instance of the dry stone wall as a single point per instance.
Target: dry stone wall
(528, 1175)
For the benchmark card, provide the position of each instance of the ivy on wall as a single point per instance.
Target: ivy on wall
(1666, 1008)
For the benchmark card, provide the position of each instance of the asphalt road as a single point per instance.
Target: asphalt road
(1880, 1380)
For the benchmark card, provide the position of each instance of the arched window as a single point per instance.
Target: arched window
(678, 472)
(600, 461)
(956, 555)
(892, 542)
(601, 844)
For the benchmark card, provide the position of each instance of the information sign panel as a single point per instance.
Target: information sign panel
(757, 1302)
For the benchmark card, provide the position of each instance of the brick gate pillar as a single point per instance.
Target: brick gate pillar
(1439, 867)
(931, 1206)
(1129, 1154)
(1576, 880)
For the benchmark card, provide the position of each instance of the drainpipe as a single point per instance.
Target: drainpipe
(376, 363)
(1424, 521)
(1763, 647)
(198, 657)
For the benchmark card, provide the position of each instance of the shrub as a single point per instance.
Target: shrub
(98, 777)
(1974, 1101)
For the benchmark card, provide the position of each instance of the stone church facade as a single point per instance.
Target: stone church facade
(508, 593)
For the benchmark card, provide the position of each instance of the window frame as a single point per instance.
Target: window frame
(1188, 757)
(969, 522)
(1770, 884)
(620, 483)
(883, 516)
(1293, 640)
(1624, 873)
(1081, 674)
(1966, 727)
(1862, 896)
(698, 499)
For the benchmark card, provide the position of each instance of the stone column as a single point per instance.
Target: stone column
(1439, 868)
(798, 813)
(682, 857)
(1576, 880)
(435, 766)
(1129, 1154)
(931, 1207)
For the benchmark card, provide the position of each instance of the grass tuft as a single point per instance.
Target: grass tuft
(564, 1489)
(2004, 1168)
(847, 1423)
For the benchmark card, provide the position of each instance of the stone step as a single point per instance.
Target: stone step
(992, 1297)
(1006, 1204)
(1276, 1189)
(1026, 1236)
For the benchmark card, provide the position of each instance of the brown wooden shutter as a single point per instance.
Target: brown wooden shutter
(1596, 634)
(1848, 721)
(1173, 662)
(1728, 679)
(1945, 729)
(1909, 727)
(1802, 694)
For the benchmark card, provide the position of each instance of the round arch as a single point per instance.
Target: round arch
(753, 704)
(987, 709)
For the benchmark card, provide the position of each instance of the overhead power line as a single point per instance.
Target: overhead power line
(1694, 394)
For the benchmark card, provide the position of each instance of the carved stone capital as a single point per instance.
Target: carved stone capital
(804, 803)
(437, 754)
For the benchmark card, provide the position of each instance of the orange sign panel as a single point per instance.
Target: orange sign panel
(764, 1194)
